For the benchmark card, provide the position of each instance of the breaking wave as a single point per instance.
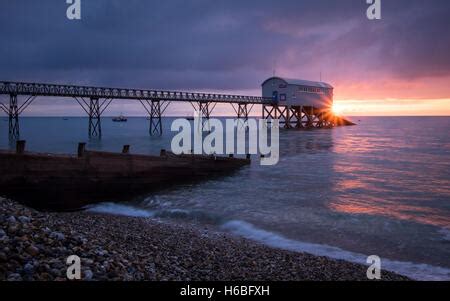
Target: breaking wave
(413, 270)
(240, 228)
(118, 209)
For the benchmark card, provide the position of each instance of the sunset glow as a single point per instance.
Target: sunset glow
(338, 108)
(396, 66)
(393, 107)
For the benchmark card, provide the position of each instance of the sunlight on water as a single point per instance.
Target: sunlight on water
(381, 187)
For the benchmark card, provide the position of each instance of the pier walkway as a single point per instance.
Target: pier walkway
(95, 100)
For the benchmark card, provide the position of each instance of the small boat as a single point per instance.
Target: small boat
(120, 118)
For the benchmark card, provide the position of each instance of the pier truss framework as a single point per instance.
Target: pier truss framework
(299, 116)
(95, 100)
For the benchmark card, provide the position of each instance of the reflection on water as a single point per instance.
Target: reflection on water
(393, 210)
(381, 187)
(400, 172)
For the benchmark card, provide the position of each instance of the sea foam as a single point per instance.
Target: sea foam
(413, 270)
(240, 228)
(118, 209)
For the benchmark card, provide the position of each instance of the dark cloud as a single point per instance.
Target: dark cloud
(221, 45)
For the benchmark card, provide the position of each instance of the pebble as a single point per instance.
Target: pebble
(24, 219)
(32, 250)
(124, 248)
(28, 268)
(88, 275)
(12, 229)
(14, 277)
(56, 272)
(57, 236)
(11, 220)
(101, 253)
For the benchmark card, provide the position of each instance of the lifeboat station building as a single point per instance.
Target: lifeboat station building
(298, 103)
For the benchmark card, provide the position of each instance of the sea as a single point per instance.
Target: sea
(380, 188)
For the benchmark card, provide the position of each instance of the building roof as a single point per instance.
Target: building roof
(301, 82)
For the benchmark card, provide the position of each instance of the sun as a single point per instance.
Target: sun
(337, 109)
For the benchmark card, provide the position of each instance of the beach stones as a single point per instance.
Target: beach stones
(36, 245)
(24, 219)
(14, 277)
(57, 236)
(28, 269)
(11, 220)
(88, 275)
(32, 250)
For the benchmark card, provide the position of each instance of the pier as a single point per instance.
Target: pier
(95, 100)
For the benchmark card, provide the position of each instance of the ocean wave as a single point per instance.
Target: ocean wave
(413, 270)
(127, 210)
(118, 209)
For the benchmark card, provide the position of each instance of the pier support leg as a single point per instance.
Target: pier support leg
(282, 114)
(205, 113)
(309, 117)
(298, 117)
(205, 109)
(14, 130)
(315, 118)
(269, 112)
(155, 118)
(328, 119)
(243, 111)
(306, 117)
(321, 121)
(95, 126)
(293, 117)
(155, 109)
(13, 110)
(94, 108)
(287, 118)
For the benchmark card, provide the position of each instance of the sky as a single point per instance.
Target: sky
(399, 65)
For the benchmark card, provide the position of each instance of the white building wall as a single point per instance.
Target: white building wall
(298, 95)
